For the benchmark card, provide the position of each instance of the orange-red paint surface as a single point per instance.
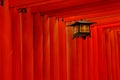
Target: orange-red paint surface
(38, 45)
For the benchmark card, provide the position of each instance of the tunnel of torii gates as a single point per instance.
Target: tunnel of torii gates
(36, 44)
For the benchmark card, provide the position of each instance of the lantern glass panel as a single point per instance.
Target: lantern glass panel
(75, 29)
(84, 28)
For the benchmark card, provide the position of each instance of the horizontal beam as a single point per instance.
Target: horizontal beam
(33, 4)
(65, 4)
(84, 9)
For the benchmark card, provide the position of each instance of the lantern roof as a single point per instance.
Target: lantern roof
(81, 22)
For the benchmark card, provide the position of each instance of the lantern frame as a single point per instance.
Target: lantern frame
(81, 26)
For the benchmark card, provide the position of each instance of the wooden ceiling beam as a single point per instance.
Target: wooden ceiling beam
(80, 10)
(62, 5)
(95, 15)
(16, 4)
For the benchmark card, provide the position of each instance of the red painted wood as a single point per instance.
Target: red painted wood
(31, 3)
(102, 55)
(65, 4)
(17, 62)
(27, 46)
(95, 53)
(117, 55)
(38, 46)
(95, 14)
(79, 45)
(114, 42)
(71, 56)
(1, 40)
(118, 34)
(46, 49)
(62, 50)
(6, 43)
(55, 10)
(54, 49)
(109, 56)
(90, 59)
(113, 55)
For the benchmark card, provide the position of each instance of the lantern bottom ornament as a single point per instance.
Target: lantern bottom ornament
(81, 34)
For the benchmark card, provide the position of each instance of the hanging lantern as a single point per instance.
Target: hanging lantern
(81, 29)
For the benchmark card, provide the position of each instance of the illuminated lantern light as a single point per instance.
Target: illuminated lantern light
(81, 29)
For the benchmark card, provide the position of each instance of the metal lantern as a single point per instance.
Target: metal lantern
(81, 29)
